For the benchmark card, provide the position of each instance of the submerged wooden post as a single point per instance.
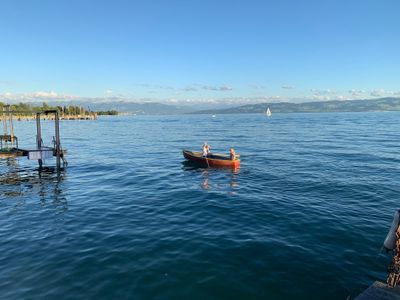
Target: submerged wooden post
(39, 138)
(58, 150)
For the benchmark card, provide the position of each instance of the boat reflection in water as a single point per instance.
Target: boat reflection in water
(21, 184)
(216, 179)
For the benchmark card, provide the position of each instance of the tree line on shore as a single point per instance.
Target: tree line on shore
(69, 110)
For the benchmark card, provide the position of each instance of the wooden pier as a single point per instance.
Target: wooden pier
(8, 138)
(9, 142)
(62, 117)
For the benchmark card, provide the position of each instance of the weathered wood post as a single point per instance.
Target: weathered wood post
(39, 138)
(11, 126)
(58, 148)
(4, 121)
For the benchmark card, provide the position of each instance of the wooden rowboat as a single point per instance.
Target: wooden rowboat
(212, 160)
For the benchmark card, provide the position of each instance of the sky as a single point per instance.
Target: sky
(199, 51)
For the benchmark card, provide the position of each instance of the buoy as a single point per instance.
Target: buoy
(390, 240)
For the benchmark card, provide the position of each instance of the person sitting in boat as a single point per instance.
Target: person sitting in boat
(233, 154)
(206, 149)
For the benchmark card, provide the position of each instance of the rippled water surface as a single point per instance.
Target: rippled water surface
(303, 218)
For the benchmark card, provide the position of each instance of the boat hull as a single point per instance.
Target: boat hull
(213, 160)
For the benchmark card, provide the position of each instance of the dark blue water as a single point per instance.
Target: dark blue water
(303, 218)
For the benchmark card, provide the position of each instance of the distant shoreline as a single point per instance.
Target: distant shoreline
(51, 117)
(368, 105)
(28, 112)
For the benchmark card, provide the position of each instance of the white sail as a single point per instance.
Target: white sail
(268, 112)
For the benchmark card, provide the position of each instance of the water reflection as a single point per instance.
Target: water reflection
(205, 184)
(21, 183)
(214, 178)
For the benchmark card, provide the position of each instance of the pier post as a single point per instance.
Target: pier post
(57, 129)
(4, 121)
(11, 126)
(39, 138)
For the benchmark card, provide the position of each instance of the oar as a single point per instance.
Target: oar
(208, 165)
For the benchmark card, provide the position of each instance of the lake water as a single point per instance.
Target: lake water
(303, 218)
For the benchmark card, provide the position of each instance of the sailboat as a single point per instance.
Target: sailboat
(268, 112)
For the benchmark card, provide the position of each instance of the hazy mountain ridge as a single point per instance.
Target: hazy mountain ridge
(155, 108)
(381, 104)
(147, 108)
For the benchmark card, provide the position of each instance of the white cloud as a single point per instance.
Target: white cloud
(320, 97)
(329, 97)
(383, 93)
(257, 86)
(189, 89)
(165, 87)
(356, 93)
(217, 88)
(36, 96)
(182, 96)
(46, 94)
(323, 92)
(378, 93)
(225, 88)
(156, 86)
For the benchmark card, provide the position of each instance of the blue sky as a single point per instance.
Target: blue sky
(222, 51)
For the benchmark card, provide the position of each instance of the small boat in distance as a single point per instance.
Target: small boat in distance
(268, 112)
(212, 160)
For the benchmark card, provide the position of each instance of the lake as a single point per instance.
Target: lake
(304, 217)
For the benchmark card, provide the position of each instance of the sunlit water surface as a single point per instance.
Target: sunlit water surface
(303, 218)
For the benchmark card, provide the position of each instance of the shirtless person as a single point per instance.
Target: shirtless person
(206, 149)
(233, 154)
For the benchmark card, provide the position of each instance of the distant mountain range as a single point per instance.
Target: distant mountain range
(382, 104)
(153, 108)
(125, 107)
(149, 108)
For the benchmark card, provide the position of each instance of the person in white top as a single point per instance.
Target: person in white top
(206, 149)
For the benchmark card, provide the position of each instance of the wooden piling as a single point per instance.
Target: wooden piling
(39, 138)
(5, 121)
(11, 125)
(57, 130)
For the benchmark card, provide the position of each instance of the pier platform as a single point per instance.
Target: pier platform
(92, 116)
(380, 291)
